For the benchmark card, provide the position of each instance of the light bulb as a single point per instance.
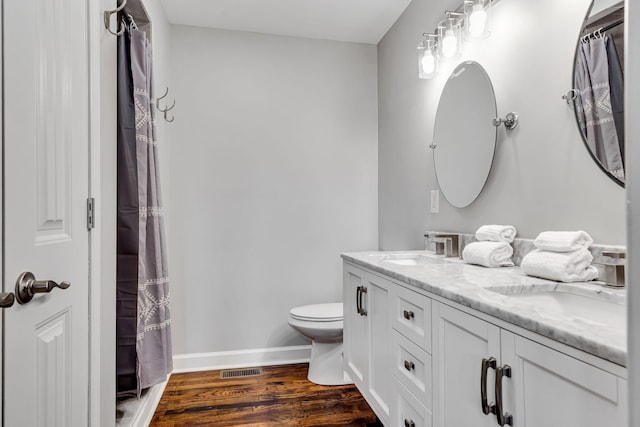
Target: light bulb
(449, 44)
(477, 21)
(428, 62)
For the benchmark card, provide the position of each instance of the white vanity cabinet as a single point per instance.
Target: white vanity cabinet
(421, 360)
(540, 387)
(367, 328)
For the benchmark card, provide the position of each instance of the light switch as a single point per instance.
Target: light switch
(435, 201)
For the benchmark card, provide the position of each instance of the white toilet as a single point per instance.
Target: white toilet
(322, 324)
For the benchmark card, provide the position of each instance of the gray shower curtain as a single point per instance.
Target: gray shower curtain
(143, 280)
(597, 107)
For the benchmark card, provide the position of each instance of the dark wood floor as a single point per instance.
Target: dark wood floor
(281, 396)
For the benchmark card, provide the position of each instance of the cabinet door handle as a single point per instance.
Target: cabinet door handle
(503, 418)
(486, 364)
(409, 423)
(358, 291)
(409, 366)
(408, 314)
(363, 311)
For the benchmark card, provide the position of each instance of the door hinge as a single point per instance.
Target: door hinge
(91, 213)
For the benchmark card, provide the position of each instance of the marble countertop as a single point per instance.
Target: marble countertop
(500, 292)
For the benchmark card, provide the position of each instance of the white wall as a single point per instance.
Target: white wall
(161, 37)
(542, 178)
(273, 173)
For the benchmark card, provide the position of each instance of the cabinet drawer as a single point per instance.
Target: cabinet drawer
(412, 367)
(412, 317)
(407, 410)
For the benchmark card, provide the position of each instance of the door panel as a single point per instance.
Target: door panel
(461, 342)
(550, 388)
(46, 186)
(355, 326)
(378, 308)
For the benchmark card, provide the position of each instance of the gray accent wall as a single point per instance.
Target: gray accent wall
(542, 177)
(273, 174)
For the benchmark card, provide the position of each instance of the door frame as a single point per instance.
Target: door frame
(5, 287)
(632, 132)
(102, 239)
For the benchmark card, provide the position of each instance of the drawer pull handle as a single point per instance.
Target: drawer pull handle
(408, 315)
(409, 423)
(503, 417)
(486, 364)
(409, 366)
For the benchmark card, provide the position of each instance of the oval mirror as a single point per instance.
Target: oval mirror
(598, 83)
(464, 134)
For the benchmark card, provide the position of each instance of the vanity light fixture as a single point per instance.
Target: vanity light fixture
(428, 56)
(477, 19)
(450, 35)
(471, 21)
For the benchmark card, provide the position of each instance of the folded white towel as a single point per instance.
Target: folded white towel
(496, 233)
(563, 241)
(560, 266)
(488, 254)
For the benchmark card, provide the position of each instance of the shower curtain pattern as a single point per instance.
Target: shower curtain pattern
(595, 76)
(153, 357)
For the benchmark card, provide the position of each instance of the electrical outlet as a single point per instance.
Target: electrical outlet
(435, 201)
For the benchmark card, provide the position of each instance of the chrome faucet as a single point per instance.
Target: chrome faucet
(446, 244)
(613, 266)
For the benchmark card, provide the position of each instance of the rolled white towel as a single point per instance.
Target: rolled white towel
(496, 233)
(488, 254)
(563, 241)
(560, 266)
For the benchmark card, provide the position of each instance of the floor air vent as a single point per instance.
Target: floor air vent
(237, 373)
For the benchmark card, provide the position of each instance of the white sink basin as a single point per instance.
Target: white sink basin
(403, 261)
(410, 259)
(583, 303)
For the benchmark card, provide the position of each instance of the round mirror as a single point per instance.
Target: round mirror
(464, 135)
(598, 86)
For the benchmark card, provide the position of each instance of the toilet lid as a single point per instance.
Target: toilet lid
(318, 312)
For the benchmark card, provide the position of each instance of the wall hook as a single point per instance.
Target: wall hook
(168, 108)
(166, 92)
(107, 19)
(510, 121)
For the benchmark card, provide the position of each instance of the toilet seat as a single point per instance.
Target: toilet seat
(318, 312)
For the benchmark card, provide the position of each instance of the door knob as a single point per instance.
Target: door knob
(6, 299)
(27, 286)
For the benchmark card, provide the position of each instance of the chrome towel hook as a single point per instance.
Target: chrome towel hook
(166, 92)
(167, 109)
(107, 19)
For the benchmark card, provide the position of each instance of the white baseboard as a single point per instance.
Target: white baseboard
(148, 405)
(241, 358)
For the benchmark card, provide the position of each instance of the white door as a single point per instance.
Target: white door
(45, 190)
(548, 388)
(461, 342)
